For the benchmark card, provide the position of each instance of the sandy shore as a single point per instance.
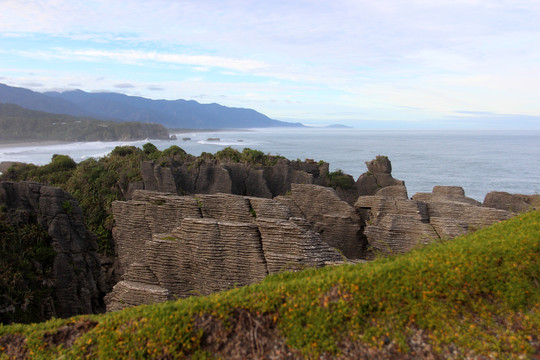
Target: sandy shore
(9, 144)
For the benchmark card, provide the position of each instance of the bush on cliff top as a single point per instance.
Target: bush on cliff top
(475, 295)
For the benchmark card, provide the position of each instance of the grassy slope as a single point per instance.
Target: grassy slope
(475, 295)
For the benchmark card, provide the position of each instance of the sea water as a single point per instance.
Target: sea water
(479, 161)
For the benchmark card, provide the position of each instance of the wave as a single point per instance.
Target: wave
(227, 142)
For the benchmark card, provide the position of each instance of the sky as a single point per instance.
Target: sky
(373, 64)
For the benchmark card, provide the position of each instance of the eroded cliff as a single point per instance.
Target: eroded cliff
(177, 246)
(73, 276)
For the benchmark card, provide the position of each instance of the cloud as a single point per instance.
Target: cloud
(32, 84)
(124, 86)
(143, 57)
(389, 58)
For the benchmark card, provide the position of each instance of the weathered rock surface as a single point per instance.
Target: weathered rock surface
(177, 246)
(395, 224)
(204, 243)
(223, 176)
(515, 203)
(454, 214)
(336, 221)
(378, 176)
(77, 279)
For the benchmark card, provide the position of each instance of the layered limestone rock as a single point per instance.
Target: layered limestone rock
(452, 213)
(179, 246)
(395, 224)
(515, 203)
(77, 281)
(336, 221)
(176, 246)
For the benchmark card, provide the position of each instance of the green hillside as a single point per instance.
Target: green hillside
(477, 295)
(20, 124)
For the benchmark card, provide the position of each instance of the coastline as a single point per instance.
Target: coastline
(19, 143)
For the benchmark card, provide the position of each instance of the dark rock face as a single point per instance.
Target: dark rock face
(177, 246)
(213, 176)
(78, 282)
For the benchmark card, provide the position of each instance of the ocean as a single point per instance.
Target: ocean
(479, 161)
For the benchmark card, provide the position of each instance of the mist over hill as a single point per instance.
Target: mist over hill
(187, 114)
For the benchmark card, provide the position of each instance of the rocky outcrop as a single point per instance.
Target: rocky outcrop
(515, 203)
(209, 176)
(177, 246)
(336, 221)
(77, 282)
(395, 224)
(378, 176)
(453, 214)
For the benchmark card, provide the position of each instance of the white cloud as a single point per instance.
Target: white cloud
(356, 55)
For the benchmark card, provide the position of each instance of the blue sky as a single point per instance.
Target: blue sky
(384, 63)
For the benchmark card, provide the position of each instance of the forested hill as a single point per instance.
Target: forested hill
(20, 124)
(187, 114)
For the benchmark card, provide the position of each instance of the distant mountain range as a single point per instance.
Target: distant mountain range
(21, 124)
(173, 114)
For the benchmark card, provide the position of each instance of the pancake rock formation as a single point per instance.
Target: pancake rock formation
(172, 246)
(176, 246)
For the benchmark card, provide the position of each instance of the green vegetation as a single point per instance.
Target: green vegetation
(95, 184)
(340, 179)
(249, 156)
(478, 295)
(20, 124)
(26, 266)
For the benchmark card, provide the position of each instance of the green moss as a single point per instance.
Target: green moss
(67, 207)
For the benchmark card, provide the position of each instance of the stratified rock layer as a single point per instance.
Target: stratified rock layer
(196, 245)
(395, 224)
(179, 246)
